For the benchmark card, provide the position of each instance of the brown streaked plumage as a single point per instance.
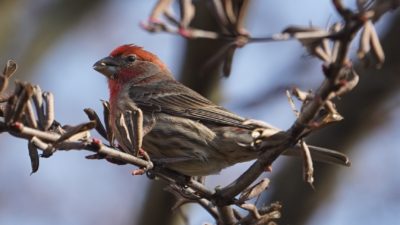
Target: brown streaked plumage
(183, 130)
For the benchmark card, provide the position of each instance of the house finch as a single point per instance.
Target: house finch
(181, 129)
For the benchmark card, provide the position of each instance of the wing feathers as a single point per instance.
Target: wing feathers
(176, 99)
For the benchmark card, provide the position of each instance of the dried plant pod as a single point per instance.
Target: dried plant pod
(335, 28)
(326, 48)
(227, 65)
(220, 56)
(75, 130)
(39, 143)
(129, 123)
(3, 84)
(229, 12)
(376, 47)
(34, 156)
(347, 81)
(302, 95)
(292, 105)
(322, 53)
(252, 209)
(331, 118)
(30, 116)
(365, 41)
(134, 124)
(308, 168)
(38, 102)
(266, 215)
(197, 33)
(219, 11)
(370, 44)
(363, 5)
(187, 12)
(125, 141)
(169, 15)
(240, 26)
(9, 109)
(156, 26)
(22, 100)
(10, 68)
(107, 122)
(331, 108)
(326, 115)
(49, 116)
(92, 115)
(313, 39)
(160, 7)
(255, 190)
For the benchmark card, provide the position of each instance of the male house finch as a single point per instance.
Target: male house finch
(180, 129)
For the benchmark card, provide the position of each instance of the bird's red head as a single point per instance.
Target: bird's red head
(138, 52)
(127, 64)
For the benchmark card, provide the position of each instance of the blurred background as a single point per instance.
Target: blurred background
(56, 42)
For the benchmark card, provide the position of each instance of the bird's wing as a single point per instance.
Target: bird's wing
(173, 98)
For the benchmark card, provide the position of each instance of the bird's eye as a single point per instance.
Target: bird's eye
(131, 58)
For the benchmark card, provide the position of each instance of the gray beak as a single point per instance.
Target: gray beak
(108, 66)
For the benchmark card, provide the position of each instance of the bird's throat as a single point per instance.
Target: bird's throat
(115, 88)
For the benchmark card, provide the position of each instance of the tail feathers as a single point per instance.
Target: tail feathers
(322, 155)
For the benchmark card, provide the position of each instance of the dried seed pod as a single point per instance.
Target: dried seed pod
(134, 121)
(252, 209)
(227, 66)
(254, 191)
(160, 7)
(107, 122)
(376, 47)
(240, 27)
(129, 120)
(125, 142)
(30, 116)
(365, 39)
(38, 102)
(34, 156)
(313, 39)
(220, 14)
(99, 126)
(23, 97)
(10, 68)
(308, 168)
(336, 44)
(229, 12)
(49, 116)
(187, 12)
(9, 109)
(291, 103)
(221, 56)
(72, 131)
(3, 84)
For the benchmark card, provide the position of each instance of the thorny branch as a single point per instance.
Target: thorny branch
(29, 113)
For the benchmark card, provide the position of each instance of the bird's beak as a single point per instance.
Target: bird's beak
(107, 66)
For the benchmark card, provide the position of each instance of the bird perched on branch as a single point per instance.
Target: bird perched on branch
(177, 127)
